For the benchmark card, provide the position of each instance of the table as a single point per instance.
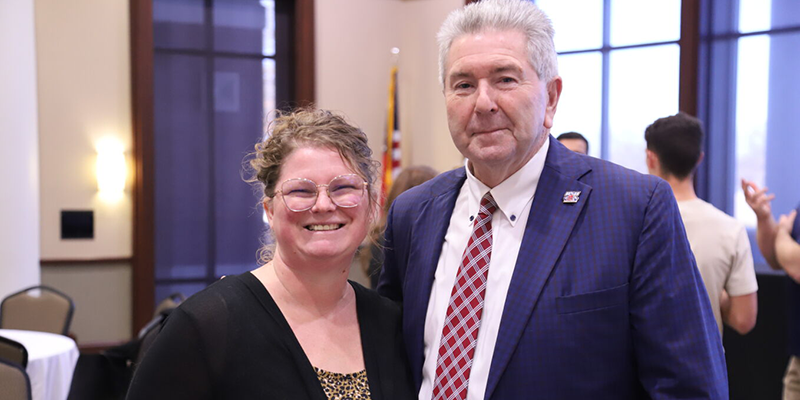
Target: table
(51, 362)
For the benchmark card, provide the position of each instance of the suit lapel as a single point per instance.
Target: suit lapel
(429, 229)
(548, 228)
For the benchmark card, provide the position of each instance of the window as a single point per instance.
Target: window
(748, 96)
(620, 61)
(214, 85)
(206, 74)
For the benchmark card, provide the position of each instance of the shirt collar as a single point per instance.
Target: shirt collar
(508, 196)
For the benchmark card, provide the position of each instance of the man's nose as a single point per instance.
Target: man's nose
(485, 102)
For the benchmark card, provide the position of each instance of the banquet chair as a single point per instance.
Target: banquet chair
(168, 303)
(48, 311)
(147, 335)
(14, 382)
(11, 350)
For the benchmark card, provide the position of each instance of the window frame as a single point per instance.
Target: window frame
(300, 90)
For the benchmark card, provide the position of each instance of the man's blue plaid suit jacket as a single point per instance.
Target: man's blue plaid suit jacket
(605, 301)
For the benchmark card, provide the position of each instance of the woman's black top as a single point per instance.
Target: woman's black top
(231, 341)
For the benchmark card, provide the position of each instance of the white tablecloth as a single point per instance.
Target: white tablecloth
(51, 362)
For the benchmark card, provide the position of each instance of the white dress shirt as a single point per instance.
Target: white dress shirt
(514, 197)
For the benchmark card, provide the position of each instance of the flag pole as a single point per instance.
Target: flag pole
(391, 153)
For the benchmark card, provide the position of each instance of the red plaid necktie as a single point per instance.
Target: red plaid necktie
(460, 332)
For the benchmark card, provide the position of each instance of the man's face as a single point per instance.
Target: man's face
(498, 111)
(576, 145)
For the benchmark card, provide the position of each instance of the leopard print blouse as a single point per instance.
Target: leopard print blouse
(344, 386)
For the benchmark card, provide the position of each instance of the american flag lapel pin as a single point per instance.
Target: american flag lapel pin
(571, 197)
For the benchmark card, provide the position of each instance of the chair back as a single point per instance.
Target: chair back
(11, 350)
(37, 308)
(14, 382)
(168, 303)
(147, 335)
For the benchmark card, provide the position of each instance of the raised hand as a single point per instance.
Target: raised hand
(758, 199)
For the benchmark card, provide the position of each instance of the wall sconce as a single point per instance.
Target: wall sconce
(111, 169)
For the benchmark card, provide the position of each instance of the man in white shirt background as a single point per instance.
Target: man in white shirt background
(719, 242)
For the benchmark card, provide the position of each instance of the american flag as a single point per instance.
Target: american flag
(391, 150)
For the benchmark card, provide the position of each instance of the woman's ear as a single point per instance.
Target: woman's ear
(267, 204)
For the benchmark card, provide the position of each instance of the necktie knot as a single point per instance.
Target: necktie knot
(488, 206)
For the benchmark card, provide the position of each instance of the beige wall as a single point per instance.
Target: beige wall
(83, 74)
(353, 43)
(428, 141)
(83, 49)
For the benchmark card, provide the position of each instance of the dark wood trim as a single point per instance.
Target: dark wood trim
(92, 261)
(690, 47)
(203, 53)
(97, 347)
(143, 197)
(304, 85)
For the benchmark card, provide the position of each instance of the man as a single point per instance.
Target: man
(534, 272)
(719, 242)
(575, 142)
(779, 243)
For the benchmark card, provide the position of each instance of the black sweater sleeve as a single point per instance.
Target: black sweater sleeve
(175, 367)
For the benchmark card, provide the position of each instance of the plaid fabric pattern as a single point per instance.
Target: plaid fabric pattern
(463, 320)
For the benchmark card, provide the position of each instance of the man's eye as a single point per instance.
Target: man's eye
(507, 80)
(463, 85)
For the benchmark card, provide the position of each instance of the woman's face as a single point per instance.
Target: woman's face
(325, 233)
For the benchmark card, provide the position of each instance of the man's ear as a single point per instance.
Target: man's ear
(700, 159)
(553, 94)
(652, 161)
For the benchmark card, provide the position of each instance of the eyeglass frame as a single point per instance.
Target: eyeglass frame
(316, 192)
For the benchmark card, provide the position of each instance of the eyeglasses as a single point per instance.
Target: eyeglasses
(300, 194)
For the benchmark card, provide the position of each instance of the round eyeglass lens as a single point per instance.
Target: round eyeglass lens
(346, 190)
(299, 194)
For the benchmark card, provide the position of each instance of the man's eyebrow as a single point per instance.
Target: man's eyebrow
(496, 70)
(459, 75)
(506, 68)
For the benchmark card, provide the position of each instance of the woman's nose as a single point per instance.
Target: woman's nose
(324, 202)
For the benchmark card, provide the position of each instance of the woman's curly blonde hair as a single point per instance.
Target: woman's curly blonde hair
(309, 127)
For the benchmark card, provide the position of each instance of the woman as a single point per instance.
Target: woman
(294, 328)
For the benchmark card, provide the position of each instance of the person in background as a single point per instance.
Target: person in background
(408, 178)
(787, 245)
(533, 271)
(295, 327)
(575, 142)
(719, 242)
(779, 242)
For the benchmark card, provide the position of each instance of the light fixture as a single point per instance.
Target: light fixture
(111, 169)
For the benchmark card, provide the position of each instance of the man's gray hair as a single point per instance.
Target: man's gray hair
(503, 15)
